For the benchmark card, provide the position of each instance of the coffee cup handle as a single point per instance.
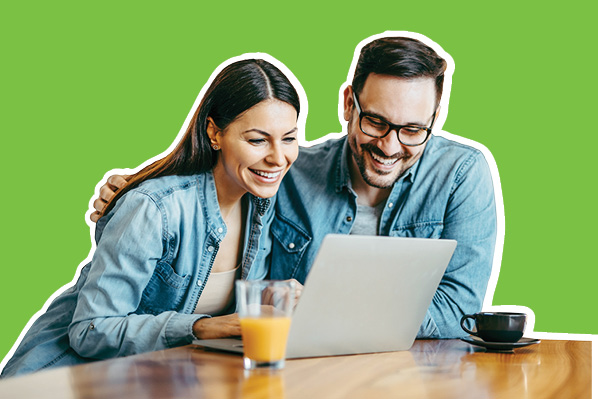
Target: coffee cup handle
(468, 316)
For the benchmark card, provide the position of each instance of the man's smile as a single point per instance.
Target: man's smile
(381, 160)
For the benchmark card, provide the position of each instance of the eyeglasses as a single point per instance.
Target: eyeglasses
(374, 126)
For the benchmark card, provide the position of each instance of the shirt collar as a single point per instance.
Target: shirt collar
(343, 177)
(261, 205)
(210, 204)
(212, 208)
(415, 168)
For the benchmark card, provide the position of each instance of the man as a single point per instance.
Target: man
(390, 176)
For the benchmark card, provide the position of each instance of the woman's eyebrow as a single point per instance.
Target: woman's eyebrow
(268, 134)
(257, 131)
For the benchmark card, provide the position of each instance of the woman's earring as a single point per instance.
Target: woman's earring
(216, 147)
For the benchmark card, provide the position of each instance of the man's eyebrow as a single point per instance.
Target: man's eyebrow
(293, 130)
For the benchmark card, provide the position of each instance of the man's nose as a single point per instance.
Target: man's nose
(390, 144)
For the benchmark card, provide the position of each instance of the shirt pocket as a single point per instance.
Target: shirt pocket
(288, 247)
(432, 229)
(164, 292)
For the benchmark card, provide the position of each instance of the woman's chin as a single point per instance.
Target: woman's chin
(264, 192)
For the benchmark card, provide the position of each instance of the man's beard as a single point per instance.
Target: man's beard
(369, 175)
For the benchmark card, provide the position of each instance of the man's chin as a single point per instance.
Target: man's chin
(379, 180)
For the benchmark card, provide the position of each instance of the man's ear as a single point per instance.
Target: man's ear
(348, 102)
(436, 115)
(212, 131)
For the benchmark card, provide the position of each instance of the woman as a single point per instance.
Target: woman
(173, 241)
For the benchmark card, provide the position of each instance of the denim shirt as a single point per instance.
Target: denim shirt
(154, 255)
(447, 193)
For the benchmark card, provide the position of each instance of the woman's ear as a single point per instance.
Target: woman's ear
(212, 131)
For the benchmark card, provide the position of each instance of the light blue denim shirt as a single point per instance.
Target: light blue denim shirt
(447, 193)
(154, 254)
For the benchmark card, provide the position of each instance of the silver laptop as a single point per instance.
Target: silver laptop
(364, 294)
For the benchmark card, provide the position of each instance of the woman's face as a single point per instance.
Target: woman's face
(256, 150)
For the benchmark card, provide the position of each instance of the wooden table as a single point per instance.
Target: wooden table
(431, 369)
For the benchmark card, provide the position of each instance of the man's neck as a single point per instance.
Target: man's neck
(366, 194)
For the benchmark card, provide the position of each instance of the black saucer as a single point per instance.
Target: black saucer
(500, 346)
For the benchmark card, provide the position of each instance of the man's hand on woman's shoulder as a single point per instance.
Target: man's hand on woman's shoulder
(107, 191)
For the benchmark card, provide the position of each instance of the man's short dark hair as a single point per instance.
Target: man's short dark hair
(402, 57)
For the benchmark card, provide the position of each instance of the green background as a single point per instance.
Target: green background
(86, 88)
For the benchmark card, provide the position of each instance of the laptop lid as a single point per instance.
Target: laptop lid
(367, 294)
(363, 294)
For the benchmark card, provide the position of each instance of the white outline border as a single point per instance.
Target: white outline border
(444, 104)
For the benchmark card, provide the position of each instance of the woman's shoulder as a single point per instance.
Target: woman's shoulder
(165, 193)
(165, 186)
(166, 198)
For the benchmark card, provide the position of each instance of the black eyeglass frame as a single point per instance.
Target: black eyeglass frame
(391, 126)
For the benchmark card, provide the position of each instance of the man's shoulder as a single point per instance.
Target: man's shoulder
(315, 173)
(318, 162)
(445, 145)
(448, 152)
(322, 149)
(323, 156)
(451, 160)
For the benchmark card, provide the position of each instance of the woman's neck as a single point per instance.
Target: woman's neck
(229, 194)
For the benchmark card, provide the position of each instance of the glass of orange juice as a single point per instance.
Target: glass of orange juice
(265, 308)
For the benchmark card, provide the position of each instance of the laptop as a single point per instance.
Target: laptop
(363, 294)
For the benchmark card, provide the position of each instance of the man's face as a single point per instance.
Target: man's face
(381, 161)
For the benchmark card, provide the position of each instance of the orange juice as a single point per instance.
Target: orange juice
(265, 338)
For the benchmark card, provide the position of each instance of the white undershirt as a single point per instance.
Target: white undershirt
(219, 293)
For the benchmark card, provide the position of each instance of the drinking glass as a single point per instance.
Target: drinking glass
(265, 309)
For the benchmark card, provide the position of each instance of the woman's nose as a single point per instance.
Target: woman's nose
(276, 156)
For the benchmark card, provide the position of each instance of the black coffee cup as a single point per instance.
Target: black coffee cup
(496, 326)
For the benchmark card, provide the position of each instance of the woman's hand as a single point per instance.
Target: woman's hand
(298, 290)
(273, 296)
(107, 191)
(217, 327)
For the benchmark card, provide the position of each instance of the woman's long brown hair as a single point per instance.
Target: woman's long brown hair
(237, 88)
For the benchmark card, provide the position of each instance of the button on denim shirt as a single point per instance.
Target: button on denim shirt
(154, 254)
(447, 193)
